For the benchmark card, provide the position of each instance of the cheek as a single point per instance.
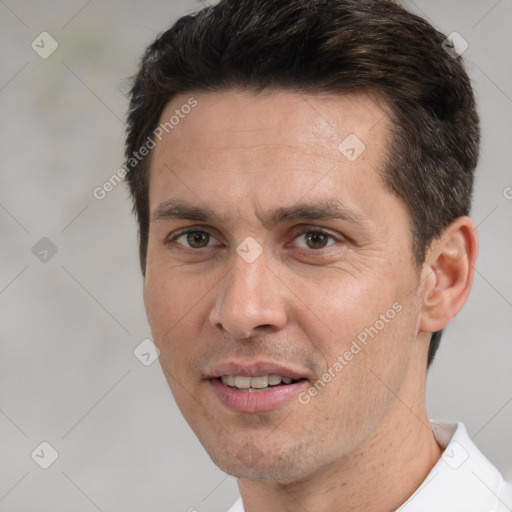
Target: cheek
(171, 306)
(172, 310)
(366, 323)
(366, 363)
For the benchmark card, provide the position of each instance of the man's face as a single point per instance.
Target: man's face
(269, 285)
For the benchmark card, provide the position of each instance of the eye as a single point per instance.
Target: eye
(193, 239)
(315, 239)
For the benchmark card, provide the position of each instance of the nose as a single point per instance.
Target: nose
(250, 300)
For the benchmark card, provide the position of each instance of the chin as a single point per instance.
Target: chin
(252, 464)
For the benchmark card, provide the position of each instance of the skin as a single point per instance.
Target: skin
(364, 442)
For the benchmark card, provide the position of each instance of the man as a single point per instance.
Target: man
(302, 175)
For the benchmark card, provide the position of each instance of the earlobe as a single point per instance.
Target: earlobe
(448, 274)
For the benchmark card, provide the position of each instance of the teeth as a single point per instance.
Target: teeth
(229, 380)
(260, 382)
(242, 382)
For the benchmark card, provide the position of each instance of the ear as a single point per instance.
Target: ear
(447, 274)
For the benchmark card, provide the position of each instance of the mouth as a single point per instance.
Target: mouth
(255, 384)
(257, 387)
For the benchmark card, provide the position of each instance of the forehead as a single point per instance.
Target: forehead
(232, 118)
(237, 144)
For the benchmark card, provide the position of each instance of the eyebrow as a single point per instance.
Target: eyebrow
(329, 209)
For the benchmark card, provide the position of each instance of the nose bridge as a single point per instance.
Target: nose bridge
(248, 298)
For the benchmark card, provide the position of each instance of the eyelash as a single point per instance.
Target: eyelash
(308, 229)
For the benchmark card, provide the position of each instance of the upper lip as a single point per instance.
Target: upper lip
(253, 369)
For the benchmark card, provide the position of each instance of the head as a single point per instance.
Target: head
(323, 154)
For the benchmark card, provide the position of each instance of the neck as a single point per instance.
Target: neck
(380, 475)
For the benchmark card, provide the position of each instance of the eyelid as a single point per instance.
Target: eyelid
(303, 230)
(317, 229)
(185, 231)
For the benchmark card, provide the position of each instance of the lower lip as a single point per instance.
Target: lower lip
(256, 401)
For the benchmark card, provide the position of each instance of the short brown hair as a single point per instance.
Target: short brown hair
(326, 46)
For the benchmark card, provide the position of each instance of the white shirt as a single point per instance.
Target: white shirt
(463, 480)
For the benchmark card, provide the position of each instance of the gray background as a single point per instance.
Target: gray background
(68, 326)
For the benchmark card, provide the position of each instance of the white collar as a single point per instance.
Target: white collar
(463, 480)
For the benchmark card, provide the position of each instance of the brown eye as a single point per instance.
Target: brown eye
(198, 239)
(316, 239)
(192, 239)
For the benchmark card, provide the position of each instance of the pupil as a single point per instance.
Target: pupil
(197, 239)
(318, 240)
